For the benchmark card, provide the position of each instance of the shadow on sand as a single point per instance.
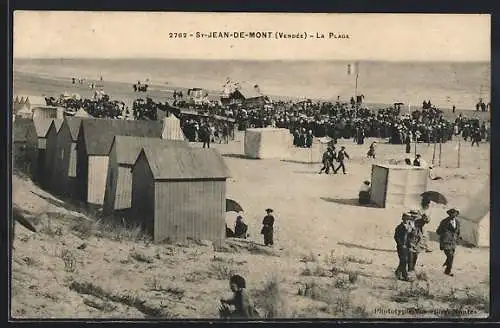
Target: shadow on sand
(350, 245)
(348, 201)
(300, 162)
(70, 204)
(241, 156)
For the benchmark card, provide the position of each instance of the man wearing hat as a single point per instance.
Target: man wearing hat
(267, 229)
(416, 241)
(401, 235)
(341, 156)
(449, 234)
(327, 161)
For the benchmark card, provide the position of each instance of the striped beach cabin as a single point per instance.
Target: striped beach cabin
(180, 193)
(50, 154)
(93, 145)
(64, 171)
(38, 143)
(122, 156)
(21, 150)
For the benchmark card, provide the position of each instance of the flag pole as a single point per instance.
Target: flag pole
(434, 154)
(356, 87)
(459, 144)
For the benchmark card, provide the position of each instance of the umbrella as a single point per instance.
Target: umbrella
(233, 206)
(435, 196)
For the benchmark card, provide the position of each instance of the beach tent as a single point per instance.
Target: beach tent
(82, 113)
(475, 219)
(265, 143)
(397, 185)
(172, 128)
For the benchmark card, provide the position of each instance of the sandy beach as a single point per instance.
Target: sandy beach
(322, 239)
(332, 258)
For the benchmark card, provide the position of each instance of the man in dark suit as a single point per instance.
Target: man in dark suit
(449, 235)
(267, 228)
(401, 235)
(341, 156)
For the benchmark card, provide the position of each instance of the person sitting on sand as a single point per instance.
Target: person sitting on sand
(419, 161)
(432, 176)
(364, 193)
(240, 228)
(241, 305)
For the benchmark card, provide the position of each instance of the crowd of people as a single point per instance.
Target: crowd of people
(307, 119)
(100, 106)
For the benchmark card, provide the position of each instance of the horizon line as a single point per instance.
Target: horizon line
(263, 60)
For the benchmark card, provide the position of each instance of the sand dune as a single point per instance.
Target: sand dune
(319, 227)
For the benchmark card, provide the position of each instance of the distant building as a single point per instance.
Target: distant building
(180, 193)
(248, 97)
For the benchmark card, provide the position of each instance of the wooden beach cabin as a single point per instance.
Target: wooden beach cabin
(64, 171)
(22, 151)
(122, 156)
(93, 145)
(48, 112)
(50, 154)
(38, 143)
(180, 193)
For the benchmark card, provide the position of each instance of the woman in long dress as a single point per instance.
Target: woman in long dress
(371, 151)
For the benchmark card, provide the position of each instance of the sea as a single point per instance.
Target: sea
(444, 83)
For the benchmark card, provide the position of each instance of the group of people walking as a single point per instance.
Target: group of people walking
(411, 240)
(330, 155)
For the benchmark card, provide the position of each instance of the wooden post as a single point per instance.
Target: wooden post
(415, 148)
(459, 146)
(434, 154)
(439, 152)
(311, 154)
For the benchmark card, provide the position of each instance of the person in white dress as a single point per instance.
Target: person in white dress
(426, 210)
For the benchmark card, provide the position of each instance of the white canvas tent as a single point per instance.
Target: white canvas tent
(397, 185)
(475, 219)
(318, 147)
(265, 143)
(82, 113)
(172, 128)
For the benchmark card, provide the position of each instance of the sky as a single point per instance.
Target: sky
(389, 37)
